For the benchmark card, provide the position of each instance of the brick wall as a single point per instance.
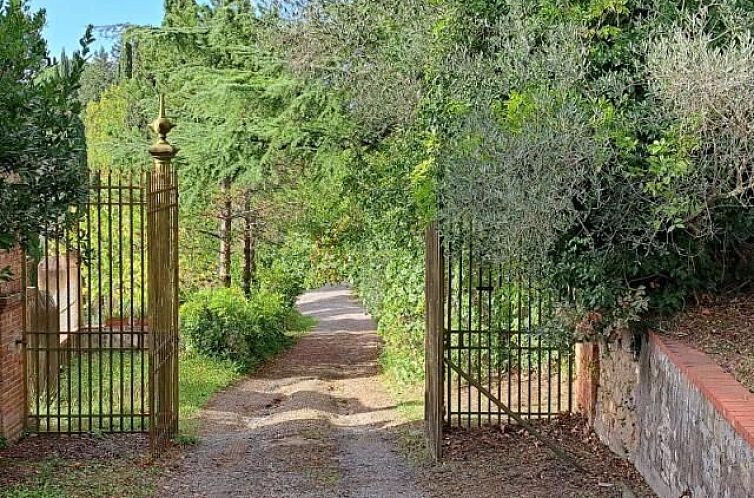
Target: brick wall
(12, 407)
(687, 425)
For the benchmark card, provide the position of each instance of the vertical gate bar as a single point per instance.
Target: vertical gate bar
(448, 302)
(519, 338)
(570, 374)
(528, 343)
(53, 338)
(43, 343)
(47, 337)
(122, 330)
(69, 331)
(489, 342)
(539, 352)
(111, 276)
(143, 335)
(62, 349)
(559, 373)
(131, 295)
(175, 298)
(549, 361)
(166, 319)
(159, 329)
(440, 357)
(499, 324)
(461, 336)
(433, 340)
(100, 366)
(469, 285)
(80, 309)
(53, 343)
(479, 340)
(90, 310)
(509, 306)
(152, 324)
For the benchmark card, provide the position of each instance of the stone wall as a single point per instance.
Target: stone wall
(615, 411)
(12, 403)
(687, 426)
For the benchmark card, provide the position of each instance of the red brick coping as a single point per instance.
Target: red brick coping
(731, 399)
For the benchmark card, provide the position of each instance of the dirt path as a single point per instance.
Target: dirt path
(314, 423)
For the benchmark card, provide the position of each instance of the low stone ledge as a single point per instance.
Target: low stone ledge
(686, 424)
(731, 399)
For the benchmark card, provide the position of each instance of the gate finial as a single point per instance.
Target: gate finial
(162, 150)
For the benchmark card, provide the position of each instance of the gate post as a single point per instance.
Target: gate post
(433, 342)
(162, 290)
(12, 315)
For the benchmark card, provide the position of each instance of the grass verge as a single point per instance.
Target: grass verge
(409, 400)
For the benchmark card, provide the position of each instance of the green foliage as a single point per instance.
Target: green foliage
(282, 280)
(42, 144)
(98, 75)
(602, 144)
(223, 324)
(390, 281)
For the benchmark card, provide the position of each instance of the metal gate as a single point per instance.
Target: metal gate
(101, 334)
(499, 360)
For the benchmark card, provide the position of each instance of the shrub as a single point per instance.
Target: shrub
(289, 284)
(224, 324)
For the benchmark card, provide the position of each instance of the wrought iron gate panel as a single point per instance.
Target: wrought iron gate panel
(85, 337)
(497, 349)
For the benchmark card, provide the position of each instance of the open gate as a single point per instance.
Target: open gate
(490, 358)
(101, 334)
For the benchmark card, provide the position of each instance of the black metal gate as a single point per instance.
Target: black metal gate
(101, 334)
(500, 360)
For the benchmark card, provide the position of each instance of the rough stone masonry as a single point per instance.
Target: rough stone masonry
(678, 417)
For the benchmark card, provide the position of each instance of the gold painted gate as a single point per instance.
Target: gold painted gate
(101, 334)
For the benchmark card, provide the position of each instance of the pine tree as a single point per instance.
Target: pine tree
(181, 13)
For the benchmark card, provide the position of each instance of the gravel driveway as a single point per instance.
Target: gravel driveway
(316, 422)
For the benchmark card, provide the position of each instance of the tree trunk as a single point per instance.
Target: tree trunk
(226, 233)
(249, 248)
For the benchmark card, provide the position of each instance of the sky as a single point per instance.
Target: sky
(67, 19)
